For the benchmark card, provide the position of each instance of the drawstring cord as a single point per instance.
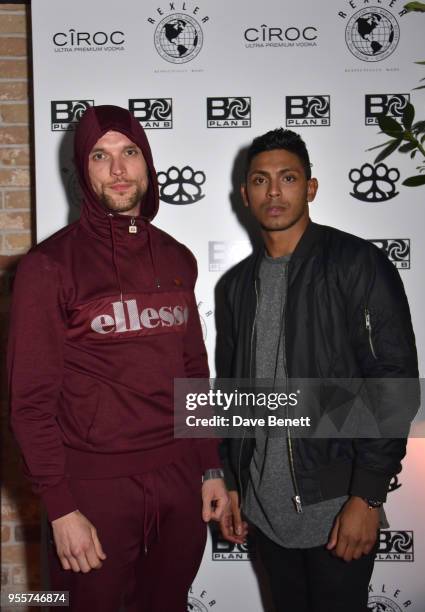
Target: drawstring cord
(156, 279)
(114, 254)
(155, 275)
(151, 508)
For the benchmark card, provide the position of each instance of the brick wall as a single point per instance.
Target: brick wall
(20, 510)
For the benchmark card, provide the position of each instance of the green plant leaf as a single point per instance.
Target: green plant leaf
(422, 63)
(415, 6)
(419, 126)
(413, 153)
(407, 147)
(421, 87)
(422, 139)
(388, 150)
(389, 126)
(415, 181)
(408, 116)
(383, 144)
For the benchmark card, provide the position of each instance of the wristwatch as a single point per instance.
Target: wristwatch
(216, 473)
(373, 503)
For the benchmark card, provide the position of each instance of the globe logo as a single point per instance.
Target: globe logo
(372, 34)
(382, 604)
(194, 605)
(178, 38)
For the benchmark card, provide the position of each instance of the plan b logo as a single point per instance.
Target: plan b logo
(384, 105)
(397, 251)
(222, 550)
(395, 546)
(65, 114)
(229, 112)
(152, 113)
(308, 111)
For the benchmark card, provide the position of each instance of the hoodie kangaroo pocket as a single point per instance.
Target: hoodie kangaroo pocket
(106, 425)
(88, 414)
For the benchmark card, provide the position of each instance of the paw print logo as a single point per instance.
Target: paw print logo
(374, 183)
(181, 186)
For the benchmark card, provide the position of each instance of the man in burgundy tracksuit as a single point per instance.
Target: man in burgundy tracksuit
(103, 319)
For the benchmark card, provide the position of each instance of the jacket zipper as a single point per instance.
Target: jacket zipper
(369, 331)
(297, 497)
(250, 376)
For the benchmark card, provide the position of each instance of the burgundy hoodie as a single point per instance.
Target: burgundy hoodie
(102, 322)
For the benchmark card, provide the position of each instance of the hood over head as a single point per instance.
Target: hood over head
(95, 122)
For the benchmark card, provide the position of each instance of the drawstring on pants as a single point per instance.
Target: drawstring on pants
(151, 507)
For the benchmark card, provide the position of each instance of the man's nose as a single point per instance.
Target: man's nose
(274, 188)
(117, 166)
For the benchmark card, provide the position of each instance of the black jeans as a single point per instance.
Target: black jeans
(313, 580)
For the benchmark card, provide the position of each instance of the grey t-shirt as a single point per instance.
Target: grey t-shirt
(268, 503)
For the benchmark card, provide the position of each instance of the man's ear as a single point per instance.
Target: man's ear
(312, 187)
(244, 195)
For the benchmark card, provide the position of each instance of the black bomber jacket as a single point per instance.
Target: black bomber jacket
(346, 316)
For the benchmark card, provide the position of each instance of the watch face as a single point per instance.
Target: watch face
(374, 504)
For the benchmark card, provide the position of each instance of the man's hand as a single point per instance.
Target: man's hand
(214, 499)
(233, 528)
(77, 544)
(355, 530)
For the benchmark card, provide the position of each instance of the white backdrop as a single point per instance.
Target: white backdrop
(208, 77)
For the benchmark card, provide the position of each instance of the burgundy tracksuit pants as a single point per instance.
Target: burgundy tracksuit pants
(151, 529)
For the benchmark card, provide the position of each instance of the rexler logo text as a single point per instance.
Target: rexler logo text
(199, 600)
(308, 111)
(65, 114)
(229, 112)
(178, 36)
(152, 113)
(388, 598)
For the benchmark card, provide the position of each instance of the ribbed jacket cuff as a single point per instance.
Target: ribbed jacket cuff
(370, 484)
(58, 501)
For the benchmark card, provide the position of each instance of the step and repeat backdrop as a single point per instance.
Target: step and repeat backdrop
(204, 78)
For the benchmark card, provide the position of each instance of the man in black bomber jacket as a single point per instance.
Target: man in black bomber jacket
(317, 303)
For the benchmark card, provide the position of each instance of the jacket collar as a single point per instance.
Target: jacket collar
(311, 237)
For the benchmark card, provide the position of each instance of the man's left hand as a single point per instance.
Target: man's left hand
(355, 530)
(214, 499)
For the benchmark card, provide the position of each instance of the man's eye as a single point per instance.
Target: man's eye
(131, 152)
(258, 180)
(98, 156)
(289, 178)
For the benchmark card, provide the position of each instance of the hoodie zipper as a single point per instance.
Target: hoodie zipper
(250, 376)
(297, 497)
(369, 331)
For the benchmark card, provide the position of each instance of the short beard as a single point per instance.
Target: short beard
(123, 205)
